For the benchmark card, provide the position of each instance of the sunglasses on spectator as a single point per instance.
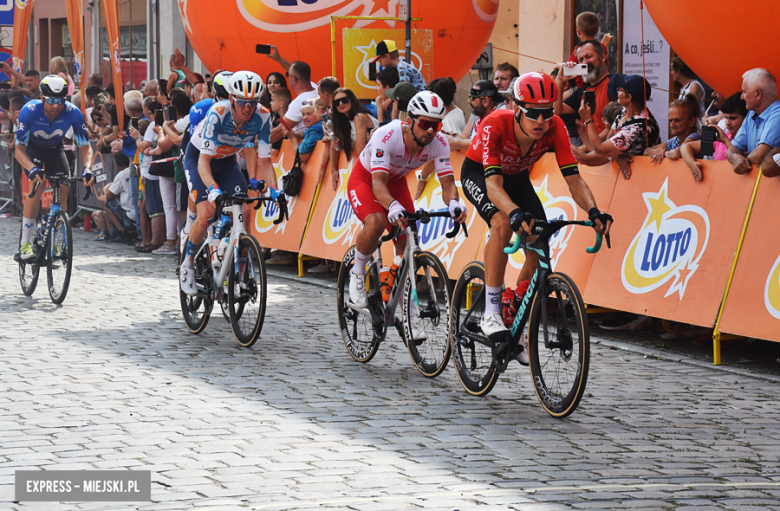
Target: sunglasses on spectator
(341, 101)
(534, 113)
(428, 125)
(243, 103)
(55, 101)
(97, 118)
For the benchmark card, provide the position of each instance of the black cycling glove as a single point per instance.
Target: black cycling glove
(594, 214)
(516, 219)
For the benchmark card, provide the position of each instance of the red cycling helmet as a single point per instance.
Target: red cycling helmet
(535, 88)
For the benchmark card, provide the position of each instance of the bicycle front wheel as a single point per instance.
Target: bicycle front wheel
(60, 257)
(29, 270)
(247, 291)
(426, 315)
(559, 365)
(197, 309)
(357, 329)
(473, 359)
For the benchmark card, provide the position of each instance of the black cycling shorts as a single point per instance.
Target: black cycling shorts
(518, 187)
(52, 161)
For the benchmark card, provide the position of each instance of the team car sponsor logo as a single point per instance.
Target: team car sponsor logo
(772, 290)
(667, 248)
(341, 223)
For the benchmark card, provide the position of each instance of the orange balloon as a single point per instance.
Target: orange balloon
(224, 34)
(721, 39)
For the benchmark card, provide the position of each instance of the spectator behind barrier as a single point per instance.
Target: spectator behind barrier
(95, 79)
(385, 79)
(280, 102)
(761, 130)
(273, 81)
(311, 113)
(351, 124)
(117, 219)
(58, 67)
(734, 112)
(483, 99)
(587, 28)
(387, 56)
(683, 75)
(151, 88)
(454, 121)
(326, 89)
(299, 78)
(683, 126)
(502, 77)
(401, 94)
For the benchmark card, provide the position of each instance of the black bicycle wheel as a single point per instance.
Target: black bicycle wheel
(473, 360)
(197, 309)
(60, 257)
(426, 315)
(247, 291)
(29, 270)
(560, 368)
(360, 335)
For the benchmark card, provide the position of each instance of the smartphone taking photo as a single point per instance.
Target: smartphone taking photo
(171, 113)
(590, 100)
(264, 49)
(158, 117)
(134, 122)
(576, 70)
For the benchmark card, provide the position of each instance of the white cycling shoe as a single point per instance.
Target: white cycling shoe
(187, 280)
(523, 356)
(357, 290)
(493, 327)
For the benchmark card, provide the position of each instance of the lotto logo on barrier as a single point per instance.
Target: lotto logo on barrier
(341, 224)
(772, 291)
(264, 219)
(668, 247)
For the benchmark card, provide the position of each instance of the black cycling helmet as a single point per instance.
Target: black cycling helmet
(53, 86)
(221, 85)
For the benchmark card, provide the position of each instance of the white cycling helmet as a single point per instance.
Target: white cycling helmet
(221, 85)
(426, 103)
(246, 85)
(53, 86)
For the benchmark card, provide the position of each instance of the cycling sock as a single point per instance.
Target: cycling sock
(360, 263)
(492, 299)
(192, 248)
(27, 226)
(190, 220)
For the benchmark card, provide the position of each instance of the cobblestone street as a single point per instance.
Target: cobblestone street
(112, 379)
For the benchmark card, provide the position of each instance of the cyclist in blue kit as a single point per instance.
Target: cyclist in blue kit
(210, 160)
(42, 126)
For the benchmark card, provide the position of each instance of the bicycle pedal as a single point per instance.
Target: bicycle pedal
(17, 257)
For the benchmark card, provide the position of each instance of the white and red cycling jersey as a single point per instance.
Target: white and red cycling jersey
(386, 152)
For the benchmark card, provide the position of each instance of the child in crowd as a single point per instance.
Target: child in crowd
(311, 112)
(587, 26)
(734, 112)
(280, 101)
(386, 79)
(117, 220)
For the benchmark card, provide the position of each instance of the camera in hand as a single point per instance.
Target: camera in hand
(372, 71)
(5, 86)
(134, 122)
(590, 100)
(709, 135)
(171, 113)
(575, 70)
(158, 117)
(264, 49)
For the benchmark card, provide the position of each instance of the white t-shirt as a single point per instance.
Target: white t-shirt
(454, 122)
(294, 110)
(121, 188)
(149, 136)
(387, 152)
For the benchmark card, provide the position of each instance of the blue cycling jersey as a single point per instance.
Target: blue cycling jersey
(198, 113)
(36, 130)
(219, 138)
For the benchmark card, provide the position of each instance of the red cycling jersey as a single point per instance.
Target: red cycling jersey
(496, 149)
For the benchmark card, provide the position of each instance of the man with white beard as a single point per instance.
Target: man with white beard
(597, 80)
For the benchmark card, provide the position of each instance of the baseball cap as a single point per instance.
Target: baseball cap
(382, 47)
(636, 85)
(403, 91)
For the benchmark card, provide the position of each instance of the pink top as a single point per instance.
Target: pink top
(720, 149)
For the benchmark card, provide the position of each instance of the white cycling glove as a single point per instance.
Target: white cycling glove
(457, 204)
(395, 211)
(214, 192)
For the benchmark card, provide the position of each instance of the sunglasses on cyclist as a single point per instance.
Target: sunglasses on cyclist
(428, 125)
(243, 103)
(55, 101)
(341, 101)
(534, 113)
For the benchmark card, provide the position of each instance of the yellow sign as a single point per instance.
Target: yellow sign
(359, 46)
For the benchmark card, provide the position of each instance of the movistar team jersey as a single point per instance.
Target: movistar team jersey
(36, 130)
(198, 113)
(218, 136)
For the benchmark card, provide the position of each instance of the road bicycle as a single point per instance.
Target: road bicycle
(52, 245)
(423, 288)
(230, 270)
(558, 337)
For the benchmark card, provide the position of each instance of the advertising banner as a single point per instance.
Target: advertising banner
(76, 31)
(111, 11)
(22, 12)
(673, 241)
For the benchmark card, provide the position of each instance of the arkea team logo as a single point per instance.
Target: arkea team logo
(667, 248)
(772, 291)
(487, 10)
(432, 236)
(300, 15)
(341, 224)
(556, 208)
(269, 211)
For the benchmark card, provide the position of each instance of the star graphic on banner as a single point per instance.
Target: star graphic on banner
(544, 197)
(378, 6)
(185, 20)
(657, 206)
(681, 277)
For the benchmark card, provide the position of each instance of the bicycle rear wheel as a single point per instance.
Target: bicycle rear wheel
(559, 369)
(60, 257)
(473, 360)
(426, 315)
(247, 291)
(197, 309)
(29, 270)
(357, 329)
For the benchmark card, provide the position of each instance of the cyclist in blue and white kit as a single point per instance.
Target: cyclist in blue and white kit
(42, 126)
(210, 161)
